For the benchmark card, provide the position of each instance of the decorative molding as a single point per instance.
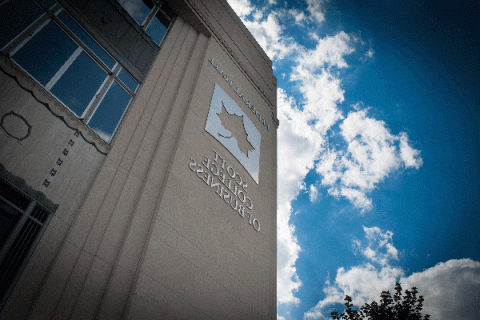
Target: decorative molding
(47, 106)
(22, 185)
(12, 134)
(224, 44)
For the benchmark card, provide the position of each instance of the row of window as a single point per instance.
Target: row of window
(53, 48)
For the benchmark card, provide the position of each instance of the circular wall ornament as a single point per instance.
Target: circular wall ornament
(15, 126)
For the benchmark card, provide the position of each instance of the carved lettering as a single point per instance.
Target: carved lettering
(257, 223)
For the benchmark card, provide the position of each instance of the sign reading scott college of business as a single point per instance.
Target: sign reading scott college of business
(233, 129)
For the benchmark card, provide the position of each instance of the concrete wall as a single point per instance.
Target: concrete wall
(51, 158)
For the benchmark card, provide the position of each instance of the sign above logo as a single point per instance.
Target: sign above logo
(227, 123)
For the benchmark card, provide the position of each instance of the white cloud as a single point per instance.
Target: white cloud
(302, 133)
(370, 53)
(451, 289)
(269, 34)
(298, 15)
(241, 7)
(266, 28)
(372, 153)
(380, 248)
(313, 193)
(364, 282)
(329, 51)
(316, 10)
(410, 156)
(301, 140)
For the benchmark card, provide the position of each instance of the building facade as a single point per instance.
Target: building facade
(137, 162)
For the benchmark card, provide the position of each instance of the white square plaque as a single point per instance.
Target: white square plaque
(227, 123)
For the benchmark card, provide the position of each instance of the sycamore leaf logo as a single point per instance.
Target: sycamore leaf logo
(230, 125)
(235, 125)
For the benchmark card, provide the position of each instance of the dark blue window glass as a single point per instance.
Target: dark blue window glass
(156, 30)
(110, 111)
(79, 83)
(79, 32)
(128, 80)
(14, 17)
(45, 53)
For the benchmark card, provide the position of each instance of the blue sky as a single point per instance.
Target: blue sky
(380, 104)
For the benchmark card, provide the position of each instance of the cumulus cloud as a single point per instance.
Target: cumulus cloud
(302, 133)
(409, 156)
(319, 85)
(370, 53)
(300, 139)
(266, 28)
(313, 193)
(364, 282)
(269, 34)
(372, 153)
(451, 289)
(316, 10)
(379, 248)
(241, 7)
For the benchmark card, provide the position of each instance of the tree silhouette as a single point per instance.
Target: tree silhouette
(398, 307)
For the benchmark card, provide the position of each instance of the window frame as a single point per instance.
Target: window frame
(50, 15)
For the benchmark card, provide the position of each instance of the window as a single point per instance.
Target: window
(22, 222)
(154, 16)
(56, 51)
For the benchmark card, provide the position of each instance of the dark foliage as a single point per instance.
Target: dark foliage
(398, 307)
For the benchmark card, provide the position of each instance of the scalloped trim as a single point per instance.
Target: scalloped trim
(51, 111)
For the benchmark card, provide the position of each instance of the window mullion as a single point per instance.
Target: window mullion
(23, 37)
(150, 16)
(83, 45)
(101, 92)
(93, 105)
(63, 69)
(124, 86)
